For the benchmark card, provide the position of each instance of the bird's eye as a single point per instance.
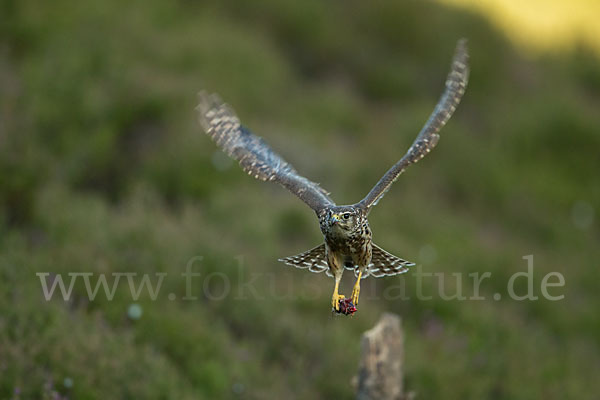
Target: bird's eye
(346, 215)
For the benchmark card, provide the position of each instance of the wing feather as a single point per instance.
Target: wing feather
(456, 84)
(254, 155)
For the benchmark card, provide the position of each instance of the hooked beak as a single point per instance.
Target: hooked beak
(335, 218)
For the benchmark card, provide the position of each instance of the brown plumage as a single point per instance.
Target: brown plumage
(347, 235)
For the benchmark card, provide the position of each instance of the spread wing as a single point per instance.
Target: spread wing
(456, 83)
(254, 155)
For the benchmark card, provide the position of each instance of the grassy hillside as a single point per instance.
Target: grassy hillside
(103, 169)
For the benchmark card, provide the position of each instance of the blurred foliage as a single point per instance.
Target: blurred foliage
(104, 170)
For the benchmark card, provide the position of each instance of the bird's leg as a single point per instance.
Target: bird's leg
(335, 299)
(356, 289)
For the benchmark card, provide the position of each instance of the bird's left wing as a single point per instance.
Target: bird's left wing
(254, 155)
(456, 84)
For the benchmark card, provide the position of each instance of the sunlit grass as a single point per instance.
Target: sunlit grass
(542, 25)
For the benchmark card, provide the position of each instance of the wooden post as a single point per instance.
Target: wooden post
(380, 368)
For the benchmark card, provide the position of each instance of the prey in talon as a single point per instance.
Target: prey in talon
(346, 307)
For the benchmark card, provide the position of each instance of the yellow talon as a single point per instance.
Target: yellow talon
(335, 299)
(356, 290)
(355, 293)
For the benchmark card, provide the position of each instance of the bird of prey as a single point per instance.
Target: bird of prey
(347, 235)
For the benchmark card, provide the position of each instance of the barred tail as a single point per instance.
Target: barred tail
(314, 259)
(386, 264)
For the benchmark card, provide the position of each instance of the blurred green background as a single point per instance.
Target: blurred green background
(103, 168)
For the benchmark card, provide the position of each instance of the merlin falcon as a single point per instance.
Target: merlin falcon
(347, 236)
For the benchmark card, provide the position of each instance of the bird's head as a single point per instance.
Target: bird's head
(343, 218)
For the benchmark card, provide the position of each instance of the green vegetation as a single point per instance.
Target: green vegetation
(104, 169)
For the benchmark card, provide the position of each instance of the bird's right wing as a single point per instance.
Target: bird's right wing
(254, 155)
(456, 84)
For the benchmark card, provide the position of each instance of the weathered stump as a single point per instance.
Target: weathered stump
(380, 368)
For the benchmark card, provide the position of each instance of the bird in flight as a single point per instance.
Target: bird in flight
(347, 235)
